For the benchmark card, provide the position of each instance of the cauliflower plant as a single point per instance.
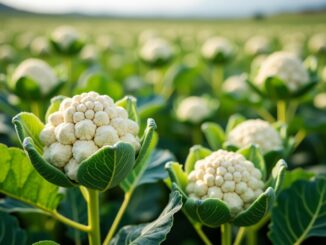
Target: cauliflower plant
(236, 84)
(40, 46)
(317, 43)
(156, 51)
(82, 125)
(7, 53)
(194, 109)
(89, 53)
(257, 45)
(39, 72)
(217, 49)
(285, 66)
(255, 132)
(226, 187)
(227, 176)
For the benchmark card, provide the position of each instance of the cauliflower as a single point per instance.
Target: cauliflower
(285, 66)
(216, 46)
(317, 43)
(7, 53)
(38, 71)
(89, 53)
(40, 46)
(194, 109)
(227, 176)
(257, 132)
(156, 49)
(236, 84)
(82, 125)
(65, 36)
(320, 101)
(257, 45)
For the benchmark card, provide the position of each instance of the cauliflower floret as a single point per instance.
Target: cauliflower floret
(58, 154)
(216, 45)
(82, 149)
(65, 36)
(255, 132)
(156, 49)
(257, 45)
(84, 124)
(285, 66)
(47, 135)
(227, 176)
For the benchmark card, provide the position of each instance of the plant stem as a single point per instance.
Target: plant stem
(226, 231)
(251, 237)
(70, 222)
(197, 135)
(241, 234)
(201, 234)
(217, 79)
(35, 108)
(94, 236)
(281, 111)
(118, 218)
(265, 114)
(299, 137)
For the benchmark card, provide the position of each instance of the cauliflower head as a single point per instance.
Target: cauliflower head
(65, 36)
(317, 43)
(236, 84)
(255, 132)
(285, 66)
(82, 125)
(257, 45)
(38, 71)
(215, 46)
(194, 109)
(227, 176)
(156, 49)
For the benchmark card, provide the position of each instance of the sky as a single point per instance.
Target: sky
(173, 8)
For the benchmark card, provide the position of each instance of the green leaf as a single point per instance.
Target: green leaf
(19, 180)
(278, 173)
(27, 88)
(73, 206)
(209, 212)
(10, 205)
(10, 232)
(253, 154)
(46, 242)
(255, 89)
(54, 106)
(271, 158)
(196, 153)
(107, 167)
(177, 175)
(276, 89)
(257, 210)
(29, 125)
(130, 104)
(148, 144)
(295, 175)
(44, 168)
(234, 121)
(214, 135)
(300, 213)
(152, 233)
(155, 170)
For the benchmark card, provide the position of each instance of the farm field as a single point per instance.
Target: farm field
(162, 131)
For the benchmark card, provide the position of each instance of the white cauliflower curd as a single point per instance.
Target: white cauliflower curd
(255, 132)
(257, 45)
(227, 176)
(156, 49)
(235, 84)
(285, 66)
(38, 71)
(317, 43)
(65, 36)
(84, 124)
(89, 53)
(193, 109)
(40, 46)
(216, 45)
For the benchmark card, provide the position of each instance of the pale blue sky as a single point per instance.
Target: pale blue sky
(218, 8)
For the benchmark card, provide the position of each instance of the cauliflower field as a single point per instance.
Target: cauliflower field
(163, 132)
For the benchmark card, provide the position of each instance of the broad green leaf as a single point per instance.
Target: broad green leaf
(44, 168)
(54, 106)
(46, 242)
(177, 175)
(149, 106)
(276, 89)
(155, 170)
(196, 153)
(10, 205)
(107, 167)
(295, 175)
(253, 154)
(27, 88)
(29, 125)
(73, 206)
(10, 232)
(300, 213)
(255, 89)
(148, 144)
(130, 104)
(209, 212)
(257, 210)
(271, 158)
(234, 121)
(152, 233)
(19, 180)
(214, 134)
